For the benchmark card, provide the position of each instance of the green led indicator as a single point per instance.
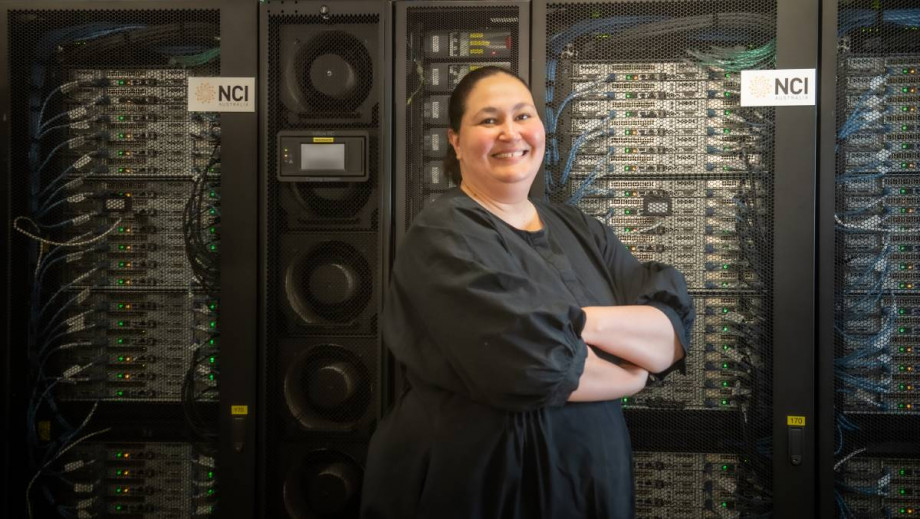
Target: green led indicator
(210, 491)
(210, 474)
(902, 285)
(724, 365)
(119, 454)
(213, 306)
(901, 406)
(902, 491)
(121, 358)
(121, 81)
(904, 108)
(212, 359)
(629, 96)
(905, 146)
(901, 472)
(901, 367)
(726, 130)
(121, 375)
(121, 263)
(213, 324)
(903, 165)
(725, 266)
(727, 112)
(724, 402)
(121, 118)
(211, 376)
(213, 194)
(627, 132)
(902, 248)
(121, 247)
(121, 152)
(726, 347)
(120, 393)
(120, 340)
(903, 127)
(627, 211)
(118, 508)
(121, 323)
(121, 136)
(902, 266)
(629, 114)
(625, 399)
(212, 342)
(725, 310)
(902, 329)
(724, 383)
(902, 191)
(626, 168)
(901, 311)
(118, 490)
(629, 76)
(121, 306)
(212, 211)
(724, 467)
(728, 74)
(212, 230)
(724, 503)
(213, 247)
(728, 94)
(905, 71)
(725, 328)
(121, 281)
(121, 229)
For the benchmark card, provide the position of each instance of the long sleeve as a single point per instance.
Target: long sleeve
(650, 283)
(463, 315)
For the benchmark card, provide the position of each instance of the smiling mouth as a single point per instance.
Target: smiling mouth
(510, 154)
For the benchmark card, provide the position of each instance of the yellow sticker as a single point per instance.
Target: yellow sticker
(479, 43)
(475, 35)
(798, 421)
(237, 410)
(44, 430)
(475, 51)
(324, 140)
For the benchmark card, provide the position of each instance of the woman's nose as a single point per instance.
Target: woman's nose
(510, 131)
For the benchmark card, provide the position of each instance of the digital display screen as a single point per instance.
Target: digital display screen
(319, 157)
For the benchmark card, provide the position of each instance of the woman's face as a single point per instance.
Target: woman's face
(501, 140)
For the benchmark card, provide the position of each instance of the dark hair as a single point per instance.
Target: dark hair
(457, 105)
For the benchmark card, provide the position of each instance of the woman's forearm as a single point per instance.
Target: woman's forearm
(642, 335)
(603, 380)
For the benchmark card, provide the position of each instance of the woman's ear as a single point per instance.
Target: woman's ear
(454, 140)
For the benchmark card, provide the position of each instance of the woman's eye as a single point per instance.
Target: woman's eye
(490, 120)
(523, 116)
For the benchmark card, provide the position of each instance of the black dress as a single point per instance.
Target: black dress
(487, 319)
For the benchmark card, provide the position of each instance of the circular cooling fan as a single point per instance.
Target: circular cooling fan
(333, 199)
(329, 283)
(326, 484)
(332, 72)
(328, 382)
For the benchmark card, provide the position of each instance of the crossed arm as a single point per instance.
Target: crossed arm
(640, 335)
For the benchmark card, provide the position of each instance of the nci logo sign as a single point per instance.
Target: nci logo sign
(785, 87)
(221, 94)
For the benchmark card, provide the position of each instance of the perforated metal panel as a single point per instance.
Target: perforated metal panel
(645, 132)
(324, 243)
(876, 360)
(117, 202)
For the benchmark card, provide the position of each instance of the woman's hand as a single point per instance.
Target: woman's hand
(640, 334)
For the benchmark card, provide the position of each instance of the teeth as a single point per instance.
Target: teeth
(509, 155)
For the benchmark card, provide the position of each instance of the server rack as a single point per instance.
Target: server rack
(870, 448)
(626, 85)
(109, 81)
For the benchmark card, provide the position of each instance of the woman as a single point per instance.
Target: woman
(494, 301)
